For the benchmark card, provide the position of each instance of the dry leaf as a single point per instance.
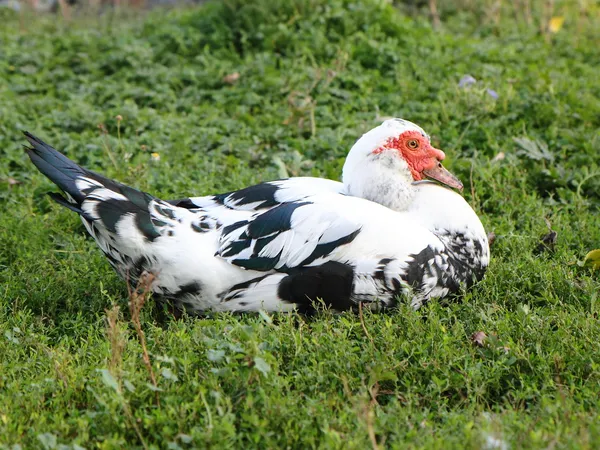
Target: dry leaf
(478, 338)
(499, 157)
(592, 259)
(12, 182)
(491, 238)
(547, 241)
(231, 78)
(555, 24)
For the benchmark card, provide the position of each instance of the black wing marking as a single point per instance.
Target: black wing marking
(112, 200)
(288, 236)
(252, 198)
(264, 195)
(103, 203)
(255, 197)
(330, 283)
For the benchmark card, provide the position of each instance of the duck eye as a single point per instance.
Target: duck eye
(413, 143)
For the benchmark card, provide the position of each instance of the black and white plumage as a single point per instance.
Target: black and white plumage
(381, 235)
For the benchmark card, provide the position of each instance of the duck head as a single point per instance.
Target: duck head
(386, 162)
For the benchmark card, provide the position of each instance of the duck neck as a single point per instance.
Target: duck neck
(387, 181)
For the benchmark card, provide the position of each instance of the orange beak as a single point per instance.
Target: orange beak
(443, 175)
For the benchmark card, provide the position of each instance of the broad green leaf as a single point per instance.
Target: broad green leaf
(262, 365)
(109, 380)
(215, 355)
(48, 440)
(168, 374)
(533, 149)
(153, 388)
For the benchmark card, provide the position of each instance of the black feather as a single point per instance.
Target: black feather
(193, 288)
(263, 193)
(234, 226)
(419, 267)
(274, 220)
(331, 282)
(64, 202)
(235, 248)
(186, 203)
(326, 248)
(259, 263)
(63, 172)
(58, 168)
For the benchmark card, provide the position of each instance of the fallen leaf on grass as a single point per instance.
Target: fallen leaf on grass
(547, 241)
(499, 157)
(592, 259)
(231, 78)
(491, 238)
(478, 338)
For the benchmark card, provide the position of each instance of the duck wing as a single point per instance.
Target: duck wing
(286, 237)
(265, 195)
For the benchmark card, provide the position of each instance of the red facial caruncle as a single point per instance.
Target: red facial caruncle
(422, 158)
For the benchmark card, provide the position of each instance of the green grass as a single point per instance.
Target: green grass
(313, 76)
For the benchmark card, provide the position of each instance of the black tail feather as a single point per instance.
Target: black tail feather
(67, 204)
(57, 167)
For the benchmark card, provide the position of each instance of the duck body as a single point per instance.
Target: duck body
(285, 245)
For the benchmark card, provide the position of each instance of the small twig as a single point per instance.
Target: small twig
(313, 122)
(362, 322)
(473, 199)
(369, 413)
(131, 418)
(365, 408)
(435, 16)
(208, 414)
(115, 337)
(137, 299)
(104, 132)
(547, 14)
(497, 12)
(462, 135)
(65, 10)
(119, 119)
(117, 344)
(527, 12)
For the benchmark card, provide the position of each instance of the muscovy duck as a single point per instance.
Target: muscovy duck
(382, 235)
